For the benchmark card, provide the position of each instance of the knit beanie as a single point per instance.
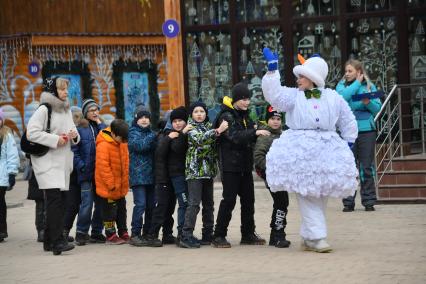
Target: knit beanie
(271, 112)
(179, 113)
(197, 104)
(240, 91)
(50, 86)
(141, 114)
(87, 104)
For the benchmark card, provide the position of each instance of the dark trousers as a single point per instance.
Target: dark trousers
(3, 210)
(234, 184)
(114, 211)
(364, 156)
(279, 213)
(54, 200)
(181, 191)
(162, 214)
(72, 206)
(40, 215)
(199, 190)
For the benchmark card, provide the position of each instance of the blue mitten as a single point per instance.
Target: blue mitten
(271, 58)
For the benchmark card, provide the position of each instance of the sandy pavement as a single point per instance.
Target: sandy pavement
(386, 246)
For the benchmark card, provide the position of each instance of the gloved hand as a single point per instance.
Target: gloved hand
(271, 58)
(12, 180)
(351, 145)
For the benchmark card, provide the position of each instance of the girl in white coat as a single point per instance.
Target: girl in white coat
(9, 163)
(310, 158)
(53, 170)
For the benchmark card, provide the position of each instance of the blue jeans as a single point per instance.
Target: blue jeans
(181, 192)
(85, 218)
(144, 202)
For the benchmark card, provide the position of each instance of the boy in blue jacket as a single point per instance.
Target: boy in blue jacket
(84, 164)
(142, 142)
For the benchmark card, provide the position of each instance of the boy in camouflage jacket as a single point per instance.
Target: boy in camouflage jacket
(200, 169)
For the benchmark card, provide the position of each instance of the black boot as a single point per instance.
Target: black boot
(66, 234)
(252, 239)
(61, 246)
(169, 239)
(40, 236)
(152, 241)
(278, 239)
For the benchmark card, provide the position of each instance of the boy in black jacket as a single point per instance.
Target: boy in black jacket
(236, 165)
(170, 177)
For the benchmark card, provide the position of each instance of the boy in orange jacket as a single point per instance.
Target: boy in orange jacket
(112, 179)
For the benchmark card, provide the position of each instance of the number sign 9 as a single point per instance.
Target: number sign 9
(170, 28)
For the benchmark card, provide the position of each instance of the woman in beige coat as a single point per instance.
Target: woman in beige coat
(53, 170)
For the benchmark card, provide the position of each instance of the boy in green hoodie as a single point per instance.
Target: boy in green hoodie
(263, 143)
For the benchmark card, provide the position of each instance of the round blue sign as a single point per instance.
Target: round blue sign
(170, 28)
(34, 69)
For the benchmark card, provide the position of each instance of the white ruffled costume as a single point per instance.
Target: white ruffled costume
(310, 158)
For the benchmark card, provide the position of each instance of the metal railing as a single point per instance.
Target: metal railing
(390, 132)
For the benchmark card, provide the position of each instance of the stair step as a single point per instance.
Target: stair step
(405, 164)
(402, 191)
(403, 177)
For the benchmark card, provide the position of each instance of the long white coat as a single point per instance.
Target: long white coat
(52, 170)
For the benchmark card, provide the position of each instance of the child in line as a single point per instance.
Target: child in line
(200, 169)
(9, 163)
(112, 179)
(236, 165)
(280, 198)
(142, 141)
(84, 164)
(170, 177)
(310, 158)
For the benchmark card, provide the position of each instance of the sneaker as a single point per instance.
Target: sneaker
(81, 239)
(320, 245)
(348, 209)
(125, 237)
(169, 240)
(136, 240)
(370, 208)
(220, 242)
(189, 242)
(3, 235)
(252, 239)
(152, 241)
(206, 240)
(114, 240)
(97, 239)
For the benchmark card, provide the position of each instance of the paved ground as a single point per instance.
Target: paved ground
(386, 246)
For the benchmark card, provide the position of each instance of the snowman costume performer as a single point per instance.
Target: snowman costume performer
(310, 158)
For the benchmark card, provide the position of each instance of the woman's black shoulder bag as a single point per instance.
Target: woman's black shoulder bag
(33, 148)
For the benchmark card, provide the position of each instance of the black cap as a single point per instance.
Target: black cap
(271, 112)
(240, 91)
(179, 113)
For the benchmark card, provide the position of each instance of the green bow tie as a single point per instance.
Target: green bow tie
(314, 93)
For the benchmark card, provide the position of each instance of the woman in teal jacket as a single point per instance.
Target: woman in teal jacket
(356, 82)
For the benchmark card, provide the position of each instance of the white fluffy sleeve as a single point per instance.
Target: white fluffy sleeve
(346, 121)
(281, 98)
